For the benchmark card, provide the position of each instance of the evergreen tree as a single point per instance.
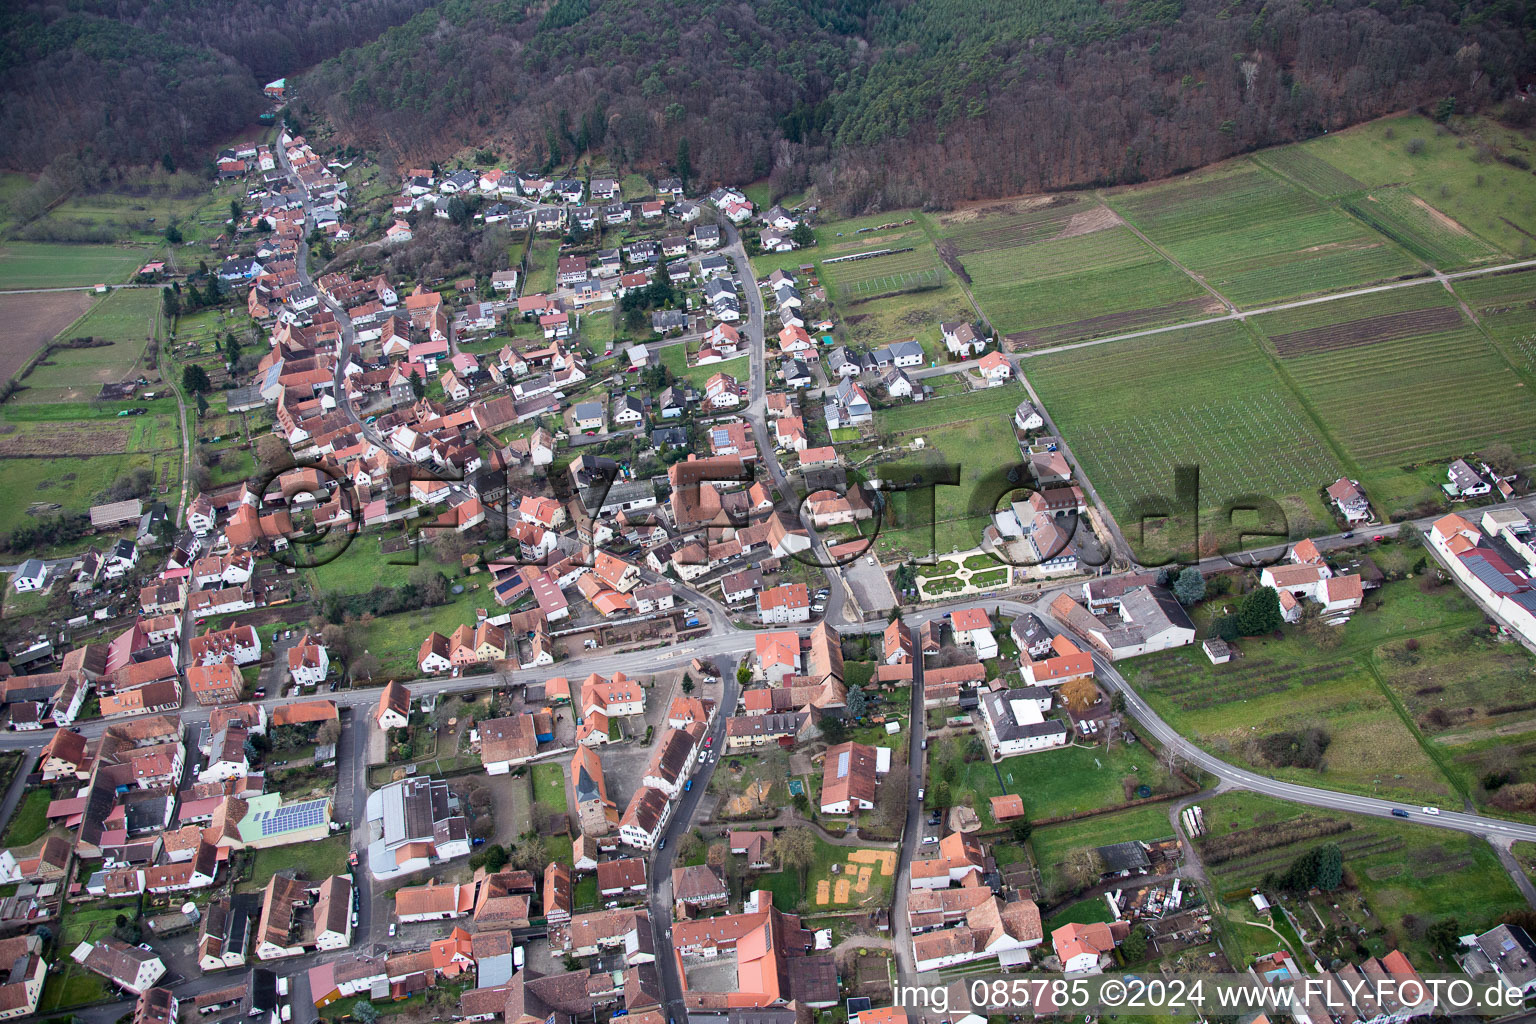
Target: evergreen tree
(1189, 586)
(684, 161)
(418, 386)
(195, 379)
(1259, 613)
(803, 236)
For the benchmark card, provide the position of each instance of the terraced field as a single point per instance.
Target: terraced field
(1233, 417)
(1257, 238)
(1066, 270)
(1401, 376)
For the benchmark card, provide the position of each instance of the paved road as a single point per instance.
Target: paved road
(901, 941)
(660, 897)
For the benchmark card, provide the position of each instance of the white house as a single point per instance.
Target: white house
(961, 339)
(644, 818)
(974, 629)
(995, 367)
(308, 662)
(33, 573)
(1016, 723)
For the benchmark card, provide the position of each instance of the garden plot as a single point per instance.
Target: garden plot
(1233, 418)
(1399, 877)
(1396, 385)
(1256, 238)
(1470, 696)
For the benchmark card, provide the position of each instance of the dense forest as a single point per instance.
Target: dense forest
(101, 82)
(898, 102)
(877, 102)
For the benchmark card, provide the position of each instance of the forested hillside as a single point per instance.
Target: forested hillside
(884, 102)
(126, 82)
(879, 102)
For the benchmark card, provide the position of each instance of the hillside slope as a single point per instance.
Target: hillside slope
(924, 101)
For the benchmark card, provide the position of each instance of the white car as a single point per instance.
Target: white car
(1431, 810)
(930, 840)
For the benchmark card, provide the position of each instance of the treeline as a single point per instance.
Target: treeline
(107, 83)
(885, 104)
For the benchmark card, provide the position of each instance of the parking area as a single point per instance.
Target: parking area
(871, 587)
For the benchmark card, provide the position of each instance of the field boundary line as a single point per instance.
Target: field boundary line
(1230, 306)
(1351, 468)
(1244, 314)
(1436, 756)
(965, 289)
(1493, 343)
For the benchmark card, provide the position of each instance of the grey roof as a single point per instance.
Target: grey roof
(32, 568)
(904, 349)
(1118, 857)
(669, 435)
(589, 410)
(1000, 710)
(1154, 608)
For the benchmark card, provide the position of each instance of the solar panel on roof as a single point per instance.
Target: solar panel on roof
(842, 764)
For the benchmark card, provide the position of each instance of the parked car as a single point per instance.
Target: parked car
(393, 927)
(688, 786)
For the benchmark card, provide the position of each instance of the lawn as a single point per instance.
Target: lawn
(1083, 912)
(1058, 849)
(71, 483)
(93, 921)
(1373, 369)
(675, 359)
(30, 819)
(316, 861)
(1256, 238)
(549, 787)
(1234, 418)
(1409, 875)
(1075, 779)
(1048, 272)
(973, 433)
(60, 265)
(1450, 171)
(543, 255)
(1280, 688)
(821, 888)
(1053, 783)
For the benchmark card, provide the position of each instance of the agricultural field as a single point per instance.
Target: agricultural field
(1421, 229)
(1062, 270)
(1407, 876)
(1470, 696)
(1312, 713)
(1256, 238)
(911, 268)
(1401, 377)
(1505, 306)
(34, 320)
(1233, 417)
(126, 318)
(1311, 172)
(62, 265)
(1454, 170)
(46, 486)
(974, 433)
